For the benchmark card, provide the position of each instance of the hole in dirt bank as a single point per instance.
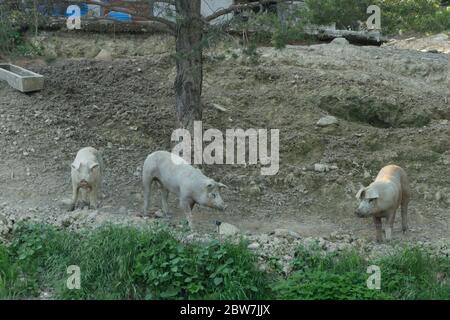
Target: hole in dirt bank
(375, 112)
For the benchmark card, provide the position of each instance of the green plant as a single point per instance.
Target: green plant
(128, 263)
(411, 273)
(10, 38)
(322, 285)
(118, 262)
(414, 273)
(344, 13)
(413, 15)
(214, 271)
(396, 15)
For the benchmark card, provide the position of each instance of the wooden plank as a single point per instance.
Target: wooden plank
(21, 79)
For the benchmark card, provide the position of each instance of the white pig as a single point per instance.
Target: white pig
(87, 177)
(382, 198)
(175, 175)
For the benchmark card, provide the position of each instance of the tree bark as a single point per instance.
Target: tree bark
(189, 60)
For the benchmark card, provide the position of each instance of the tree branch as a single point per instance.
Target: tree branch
(139, 17)
(243, 6)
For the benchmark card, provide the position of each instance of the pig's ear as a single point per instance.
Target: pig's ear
(94, 165)
(221, 185)
(75, 166)
(361, 193)
(372, 194)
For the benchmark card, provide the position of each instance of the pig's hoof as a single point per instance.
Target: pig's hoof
(162, 215)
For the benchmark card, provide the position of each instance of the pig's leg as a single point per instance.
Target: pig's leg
(84, 199)
(93, 197)
(147, 194)
(390, 225)
(187, 206)
(164, 197)
(405, 216)
(378, 228)
(75, 193)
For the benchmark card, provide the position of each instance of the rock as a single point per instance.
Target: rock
(322, 243)
(340, 41)
(441, 37)
(446, 253)
(327, 121)
(438, 196)
(227, 229)
(318, 167)
(331, 247)
(104, 55)
(285, 233)
(262, 267)
(4, 230)
(93, 215)
(264, 238)
(122, 210)
(287, 269)
(254, 246)
(160, 214)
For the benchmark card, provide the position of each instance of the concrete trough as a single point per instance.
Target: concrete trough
(20, 78)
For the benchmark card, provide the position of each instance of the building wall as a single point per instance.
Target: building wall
(208, 7)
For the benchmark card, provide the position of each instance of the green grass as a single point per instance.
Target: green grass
(127, 263)
(119, 262)
(412, 273)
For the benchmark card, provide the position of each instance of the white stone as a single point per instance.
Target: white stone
(254, 246)
(340, 41)
(104, 55)
(227, 229)
(327, 121)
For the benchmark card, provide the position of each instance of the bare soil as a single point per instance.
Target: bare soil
(392, 105)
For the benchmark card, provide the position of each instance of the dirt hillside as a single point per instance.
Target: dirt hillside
(392, 106)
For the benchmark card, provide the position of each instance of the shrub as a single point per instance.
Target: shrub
(413, 15)
(412, 273)
(415, 274)
(118, 262)
(406, 15)
(127, 263)
(342, 12)
(322, 285)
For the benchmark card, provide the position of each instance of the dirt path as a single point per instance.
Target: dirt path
(392, 106)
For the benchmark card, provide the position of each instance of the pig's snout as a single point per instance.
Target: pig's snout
(84, 183)
(361, 213)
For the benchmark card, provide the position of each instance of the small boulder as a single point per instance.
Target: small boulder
(319, 167)
(227, 229)
(340, 41)
(254, 246)
(327, 121)
(285, 233)
(104, 55)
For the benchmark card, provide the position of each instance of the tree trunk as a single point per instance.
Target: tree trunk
(188, 83)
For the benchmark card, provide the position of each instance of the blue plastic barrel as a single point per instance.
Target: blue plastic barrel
(120, 16)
